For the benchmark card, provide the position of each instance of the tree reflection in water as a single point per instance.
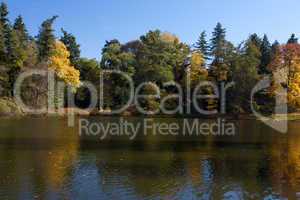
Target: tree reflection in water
(43, 159)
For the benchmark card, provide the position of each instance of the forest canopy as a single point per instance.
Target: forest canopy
(155, 58)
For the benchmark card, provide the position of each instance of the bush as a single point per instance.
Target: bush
(9, 107)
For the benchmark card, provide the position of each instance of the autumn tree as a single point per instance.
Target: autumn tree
(286, 69)
(196, 71)
(59, 62)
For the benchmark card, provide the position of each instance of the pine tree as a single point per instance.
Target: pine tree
(265, 50)
(4, 14)
(4, 17)
(4, 85)
(28, 45)
(15, 52)
(274, 49)
(293, 39)
(46, 38)
(202, 46)
(15, 57)
(255, 39)
(20, 28)
(252, 51)
(217, 43)
(69, 41)
(5, 22)
(4, 68)
(222, 52)
(2, 46)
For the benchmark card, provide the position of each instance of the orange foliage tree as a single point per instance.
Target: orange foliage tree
(286, 69)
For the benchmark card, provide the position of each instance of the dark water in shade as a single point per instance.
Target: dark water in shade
(44, 159)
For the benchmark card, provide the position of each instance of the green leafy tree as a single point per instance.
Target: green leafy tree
(73, 47)
(114, 58)
(153, 59)
(46, 38)
(245, 76)
(89, 71)
(160, 60)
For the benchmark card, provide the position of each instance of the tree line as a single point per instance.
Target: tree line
(155, 58)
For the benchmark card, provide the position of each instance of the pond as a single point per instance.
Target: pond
(43, 158)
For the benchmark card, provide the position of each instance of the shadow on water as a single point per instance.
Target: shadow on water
(44, 159)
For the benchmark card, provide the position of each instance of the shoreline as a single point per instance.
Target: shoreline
(84, 113)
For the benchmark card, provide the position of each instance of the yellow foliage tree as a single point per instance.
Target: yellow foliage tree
(294, 91)
(196, 70)
(169, 37)
(59, 62)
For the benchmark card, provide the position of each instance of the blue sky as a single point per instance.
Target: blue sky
(94, 21)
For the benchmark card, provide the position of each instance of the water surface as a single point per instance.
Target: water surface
(44, 159)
